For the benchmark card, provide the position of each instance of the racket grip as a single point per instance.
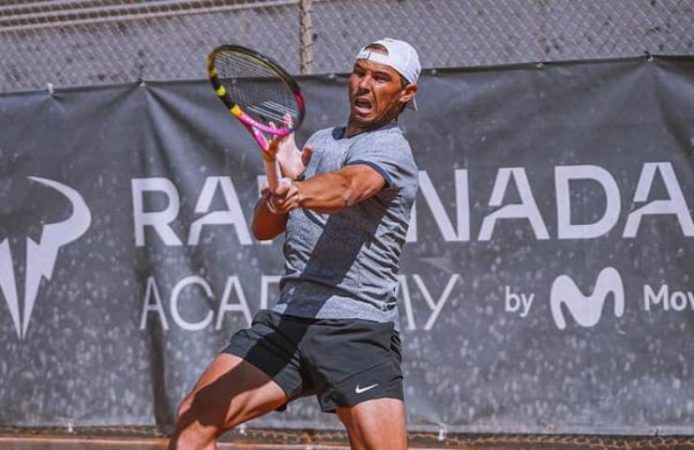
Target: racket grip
(272, 172)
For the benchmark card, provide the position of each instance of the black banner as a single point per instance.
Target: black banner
(547, 284)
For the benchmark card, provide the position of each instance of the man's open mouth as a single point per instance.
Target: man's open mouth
(363, 105)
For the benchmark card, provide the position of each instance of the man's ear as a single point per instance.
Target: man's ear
(408, 93)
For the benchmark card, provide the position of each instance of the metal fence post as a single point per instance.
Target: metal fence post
(306, 37)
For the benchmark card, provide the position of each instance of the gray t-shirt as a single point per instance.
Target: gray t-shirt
(344, 265)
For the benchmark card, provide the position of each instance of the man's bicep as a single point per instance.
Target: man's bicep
(393, 162)
(364, 180)
(376, 167)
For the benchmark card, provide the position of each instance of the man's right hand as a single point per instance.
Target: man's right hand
(292, 161)
(283, 199)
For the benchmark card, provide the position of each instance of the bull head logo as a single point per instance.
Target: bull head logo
(41, 256)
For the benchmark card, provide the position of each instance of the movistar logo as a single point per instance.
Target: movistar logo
(586, 309)
(41, 256)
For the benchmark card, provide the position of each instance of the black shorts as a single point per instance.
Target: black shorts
(343, 361)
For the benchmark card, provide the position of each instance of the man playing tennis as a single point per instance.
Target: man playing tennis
(334, 330)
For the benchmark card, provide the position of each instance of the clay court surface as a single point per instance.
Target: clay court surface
(306, 440)
(151, 444)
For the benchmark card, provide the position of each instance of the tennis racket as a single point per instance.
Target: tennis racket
(261, 95)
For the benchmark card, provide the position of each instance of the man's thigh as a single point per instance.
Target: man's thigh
(229, 392)
(257, 373)
(375, 424)
(353, 361)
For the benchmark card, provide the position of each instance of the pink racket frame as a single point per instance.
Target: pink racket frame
(255, 128)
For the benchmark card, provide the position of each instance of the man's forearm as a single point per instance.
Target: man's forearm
(334, 191)
(266, 224)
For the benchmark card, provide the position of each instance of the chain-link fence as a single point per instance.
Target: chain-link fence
(87, 42)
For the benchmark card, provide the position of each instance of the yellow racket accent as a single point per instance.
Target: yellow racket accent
(221, 92)
(235, 110)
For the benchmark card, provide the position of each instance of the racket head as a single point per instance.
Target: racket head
(256, 89)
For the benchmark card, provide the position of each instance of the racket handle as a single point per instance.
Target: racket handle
(269, 150)
(272, 171)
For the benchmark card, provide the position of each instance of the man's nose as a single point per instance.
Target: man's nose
(365, 83)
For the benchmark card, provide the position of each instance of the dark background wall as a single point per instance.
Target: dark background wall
(547, 285)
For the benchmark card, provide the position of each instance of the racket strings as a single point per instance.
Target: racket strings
(256, 87)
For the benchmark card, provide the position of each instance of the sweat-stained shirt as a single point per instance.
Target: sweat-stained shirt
(344, 265)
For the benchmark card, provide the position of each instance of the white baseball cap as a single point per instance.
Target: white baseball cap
(401, 56)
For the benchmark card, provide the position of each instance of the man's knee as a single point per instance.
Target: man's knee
(192, 429)
(376, 424)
